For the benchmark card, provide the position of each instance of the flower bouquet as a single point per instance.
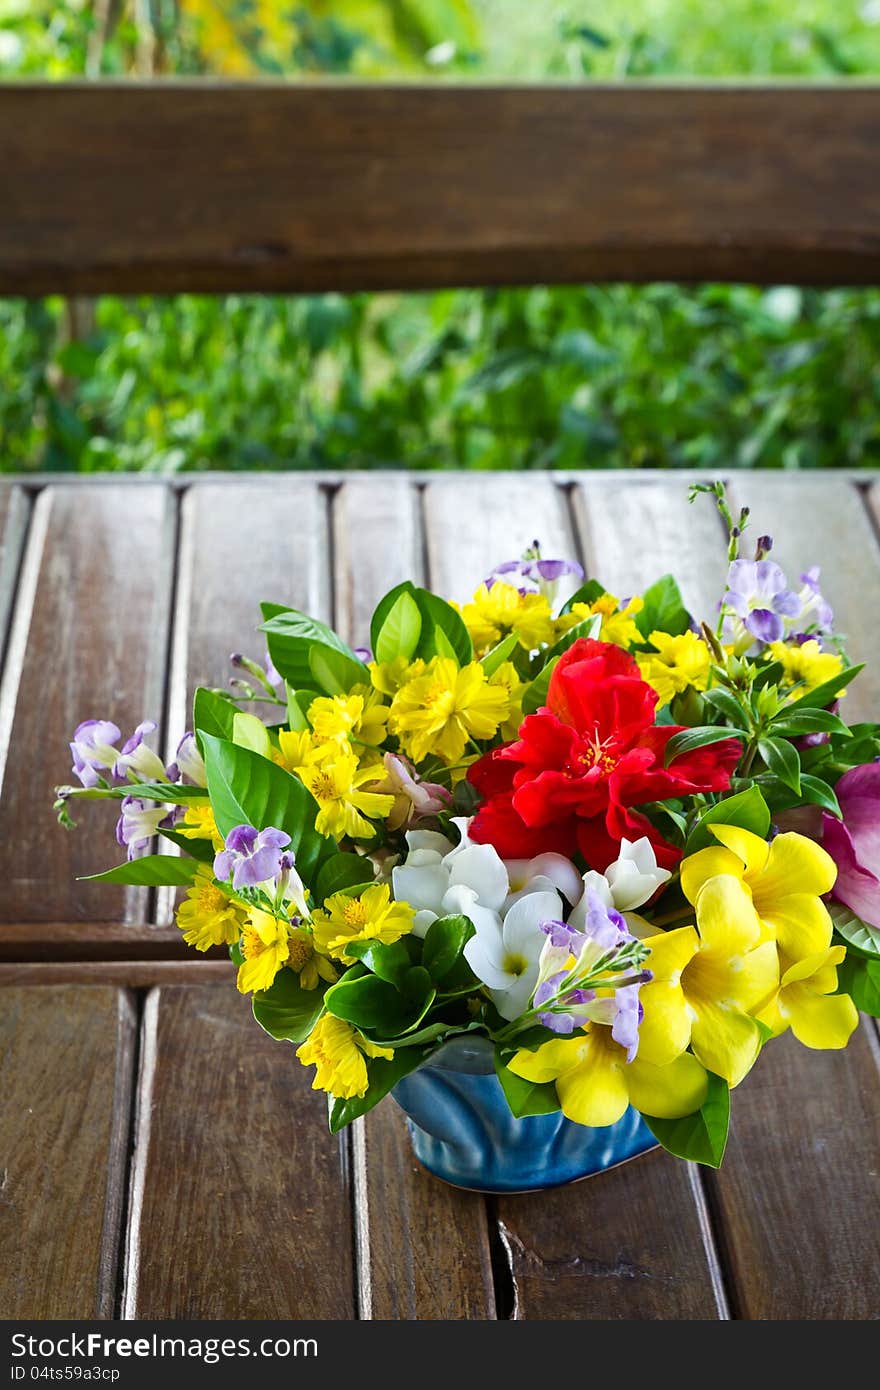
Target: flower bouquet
(552, 874)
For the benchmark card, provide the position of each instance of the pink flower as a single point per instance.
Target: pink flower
(413, 800)
(854, 842)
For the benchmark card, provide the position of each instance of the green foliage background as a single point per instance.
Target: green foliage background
(619, 376)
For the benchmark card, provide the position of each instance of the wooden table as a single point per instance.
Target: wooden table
(159, 1155)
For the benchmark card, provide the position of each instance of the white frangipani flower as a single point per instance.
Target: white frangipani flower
(628, 883)
(505, 954)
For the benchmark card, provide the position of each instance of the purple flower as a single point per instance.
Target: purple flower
(534, 573)
(364, 654)
(757, 592)
(625, 1028)
(139, 821)
(816, 614)
(854, 842)
(93, 751)
(604, 954)
(138, 758)
(251, 857)
(188, 762)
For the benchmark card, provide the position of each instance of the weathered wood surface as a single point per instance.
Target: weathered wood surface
(68, 1058)
(239, 1201)
(327, 186)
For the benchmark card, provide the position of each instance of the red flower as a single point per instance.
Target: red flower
(584, 761)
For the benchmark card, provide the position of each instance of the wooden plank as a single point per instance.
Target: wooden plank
(423, 1248)
(239, 1197)
(281, 187)
(482, 522)
(632, 535)
(798, 1195)
(56, 941)
(88, 641)
(626, 1244)
(67, 1070)
(130, 974)
(817, 520)
(15, 509)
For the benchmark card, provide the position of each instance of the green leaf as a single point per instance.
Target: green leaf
(443, 630)
(688, 740)
(249, 790)
(341, 872)
(701, 1137)
(202, 850)
(296, 717)
(390, 961)
(400, 630)
(291, 636)
(444, 943)
(727, 704)
(861, 937)
(384, 1074)
(783, 761)
(285, 1010)
(498, 655)
(795, 723)
(663, 609)
(860, 979)
(525, 1097)
(250, 732)
(153, 870)
(535, 694)
(377, 1007)
(747, 809)
(336, 672)
(384, 607)
(212, 714)
(824, 694)
(818, 793)
(174, 793)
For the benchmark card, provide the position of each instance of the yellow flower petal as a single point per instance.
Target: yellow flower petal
(667, 1092)
(727, 920)
(595, 1092)
(754, 977)
(725, 1040)
(801, 925)
(671, 951)
(750, 848)
(825, 1021)
(548, 1061)
(698, 868)
(665, 1029)
(794, 865)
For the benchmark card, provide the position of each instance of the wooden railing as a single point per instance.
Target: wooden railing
(274, 187)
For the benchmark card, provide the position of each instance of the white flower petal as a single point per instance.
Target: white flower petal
(514, 1001)
(464, 900)
(479, 867)
(429, 839)
(484, 963)
(522, 925)
(422, 921)
(420, 886)
(599, 883)
(561, 872)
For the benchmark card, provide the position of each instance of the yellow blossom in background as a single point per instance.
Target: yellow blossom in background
(369, 916)
(337, 1052)
(439, 711)
(499, 609)
(199, 824)
(806, 663)
(389, 676)
(807, 1003)
(507, 678)
(305, 961)
(336, 784)
(208, 916)
(265, 947)
(678, 663)
(362, 715)
(618, 624)
(595, 1083)
(298, 748)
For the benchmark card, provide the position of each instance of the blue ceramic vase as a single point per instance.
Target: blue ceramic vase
(463, 1132)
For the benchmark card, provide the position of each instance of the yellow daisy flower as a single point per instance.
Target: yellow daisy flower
(677, 664)
(337, 1052)
(806, 663)
(265, 946)
(618, 624)
(389, 676)
(438, 712)
(501, 609)
(298, 748)
(305, 961)
(208, 916)
(199, 824)
(371, 916)
(336, 786)
(361, 715)
(507, 677)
